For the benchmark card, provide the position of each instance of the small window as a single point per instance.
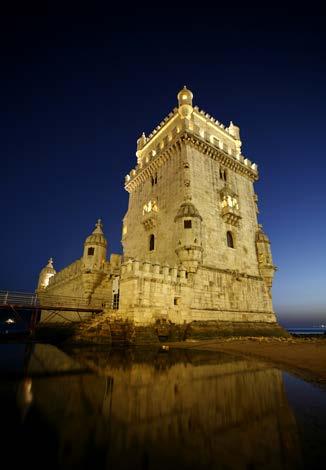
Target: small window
(151, 242)
(154, 179)
(90, 251)
(229, 239)
(187, 224)
(223, 175)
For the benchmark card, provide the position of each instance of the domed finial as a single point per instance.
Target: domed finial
(98, 226)
(50, 263)
(185, 97)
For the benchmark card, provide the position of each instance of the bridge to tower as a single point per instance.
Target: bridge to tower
(57, 305)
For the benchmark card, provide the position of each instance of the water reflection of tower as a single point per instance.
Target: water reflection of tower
(24, 388)
(197, 410)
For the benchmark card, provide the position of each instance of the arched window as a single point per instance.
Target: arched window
(151, 242)
(229, 239)
(90, 251)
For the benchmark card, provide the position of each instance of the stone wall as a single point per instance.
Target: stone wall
(206, 187)
(160, 222)
(150, 292)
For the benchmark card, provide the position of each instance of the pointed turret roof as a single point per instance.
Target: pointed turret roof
(97, 237)
(49, 267)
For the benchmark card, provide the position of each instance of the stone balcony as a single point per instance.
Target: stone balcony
(231, 215)
(150, 220)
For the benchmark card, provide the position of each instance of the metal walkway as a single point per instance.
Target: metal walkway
(32, 301)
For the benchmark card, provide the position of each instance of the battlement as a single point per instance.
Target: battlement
(189, 125)
(174, 113)
(151, 157)
(160, 272)
(161, 125)
(70, 272)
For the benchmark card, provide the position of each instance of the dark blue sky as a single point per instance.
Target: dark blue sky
(78, 90)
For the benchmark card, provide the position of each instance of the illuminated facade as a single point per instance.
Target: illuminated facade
(192, 246)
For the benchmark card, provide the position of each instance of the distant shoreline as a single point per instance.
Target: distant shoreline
(315, 330)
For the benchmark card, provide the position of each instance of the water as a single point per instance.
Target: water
(146, 409)
(316, 330)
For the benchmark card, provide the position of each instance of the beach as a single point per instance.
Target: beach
(304, 357)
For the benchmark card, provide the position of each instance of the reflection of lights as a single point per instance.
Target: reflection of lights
(27, 390)
(10, 320)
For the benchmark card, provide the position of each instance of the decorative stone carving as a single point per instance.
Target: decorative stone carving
(229, 206)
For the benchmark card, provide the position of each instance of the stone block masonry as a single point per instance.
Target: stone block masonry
(193, 250)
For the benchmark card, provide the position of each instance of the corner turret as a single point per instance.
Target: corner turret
(141, 142)
(95, 246)
(94, 258)
(45, 275)
(185, 97)
(264, 256)
(235, 132)
(189, 236)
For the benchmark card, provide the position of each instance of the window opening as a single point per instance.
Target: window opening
(229, 239)
(151, 242)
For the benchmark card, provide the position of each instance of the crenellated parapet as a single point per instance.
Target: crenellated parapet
(153, 271)
(71, 272)
(200, 131)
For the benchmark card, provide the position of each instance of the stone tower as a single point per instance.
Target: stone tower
(193, 251)
(192, 219)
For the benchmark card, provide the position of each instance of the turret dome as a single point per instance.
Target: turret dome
(185, 96)
(45, 275)
(185, 103)
(97, 237)
(187, 209)
(49, 269)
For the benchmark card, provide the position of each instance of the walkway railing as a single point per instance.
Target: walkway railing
(24, 299)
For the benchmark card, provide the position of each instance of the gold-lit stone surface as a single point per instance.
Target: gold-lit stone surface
(175, 410)
(190, 187)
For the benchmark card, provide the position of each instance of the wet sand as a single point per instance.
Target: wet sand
(305, 357)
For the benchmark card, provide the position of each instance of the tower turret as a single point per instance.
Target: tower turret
(264, 255)
(94, 258)
(45, 275)
(185, 97)
(235, 132)
(189, 236)
(95, 245)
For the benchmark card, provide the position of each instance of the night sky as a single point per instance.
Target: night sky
(78, 89)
